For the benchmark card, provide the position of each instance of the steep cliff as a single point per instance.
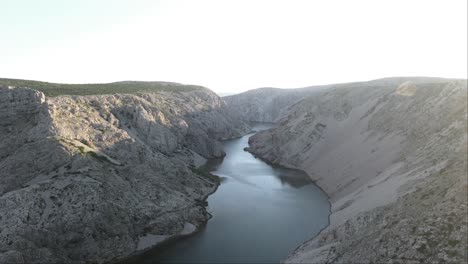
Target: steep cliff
(391, 154)
(97, 178)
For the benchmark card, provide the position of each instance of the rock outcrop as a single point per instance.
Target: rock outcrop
(391, 154)
(98, 178)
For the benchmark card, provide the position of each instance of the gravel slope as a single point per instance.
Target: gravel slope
(391, 154)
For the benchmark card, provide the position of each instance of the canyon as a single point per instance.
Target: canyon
(97, 178)
(391, 155)
(101, 177)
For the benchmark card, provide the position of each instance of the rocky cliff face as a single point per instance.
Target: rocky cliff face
(391, 154)
(97, 178)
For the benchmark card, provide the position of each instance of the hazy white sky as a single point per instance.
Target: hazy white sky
(232, 46)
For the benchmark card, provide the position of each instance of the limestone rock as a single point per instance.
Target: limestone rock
(90, 178)
(391, 154)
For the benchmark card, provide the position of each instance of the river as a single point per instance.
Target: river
(261, 213)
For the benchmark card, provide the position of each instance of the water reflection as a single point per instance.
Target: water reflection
(245, 168)
(260, 213)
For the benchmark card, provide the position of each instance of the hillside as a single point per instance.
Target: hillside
(272, 104)
(127, 87)
(98, 178)
(265, 104)
(391, 154)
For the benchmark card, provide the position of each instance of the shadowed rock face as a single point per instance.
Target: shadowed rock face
(391, 154)
(93, 178)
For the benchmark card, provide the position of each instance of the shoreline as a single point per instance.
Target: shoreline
(278, 165)
(134, 257)
(207, 167)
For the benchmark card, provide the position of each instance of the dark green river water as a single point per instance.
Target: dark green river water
(261, 213)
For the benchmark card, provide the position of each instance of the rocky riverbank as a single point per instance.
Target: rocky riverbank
(391, 154)
(97, 178)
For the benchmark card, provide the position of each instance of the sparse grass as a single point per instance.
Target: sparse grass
(450, 228)
(128, 87)
(98, 157)
(451, 253)
(92, 154)
(86, 142)
(82, 150)
(453, 242)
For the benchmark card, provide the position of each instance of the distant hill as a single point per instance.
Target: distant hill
(125, 87)
(271, 104)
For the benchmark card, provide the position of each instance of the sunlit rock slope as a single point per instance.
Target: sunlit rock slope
(391, 154)
(96, 178)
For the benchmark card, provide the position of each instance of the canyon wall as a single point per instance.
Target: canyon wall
(391, 155)
(272, 104)
(98, 178)
(265, 104)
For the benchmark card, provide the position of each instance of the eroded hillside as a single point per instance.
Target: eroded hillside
(98, 178)
(392, 157)
(273, 104)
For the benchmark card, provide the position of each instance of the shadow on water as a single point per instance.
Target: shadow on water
(260, 213)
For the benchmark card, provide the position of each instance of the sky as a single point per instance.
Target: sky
(232, 46)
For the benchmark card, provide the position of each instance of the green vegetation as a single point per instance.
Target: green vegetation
(98, 157)
(128, 87)
(451, 253)
(93, 154)
(453, 242)
(82, 150)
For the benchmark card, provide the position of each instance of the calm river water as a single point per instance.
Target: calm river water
(261, 213)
